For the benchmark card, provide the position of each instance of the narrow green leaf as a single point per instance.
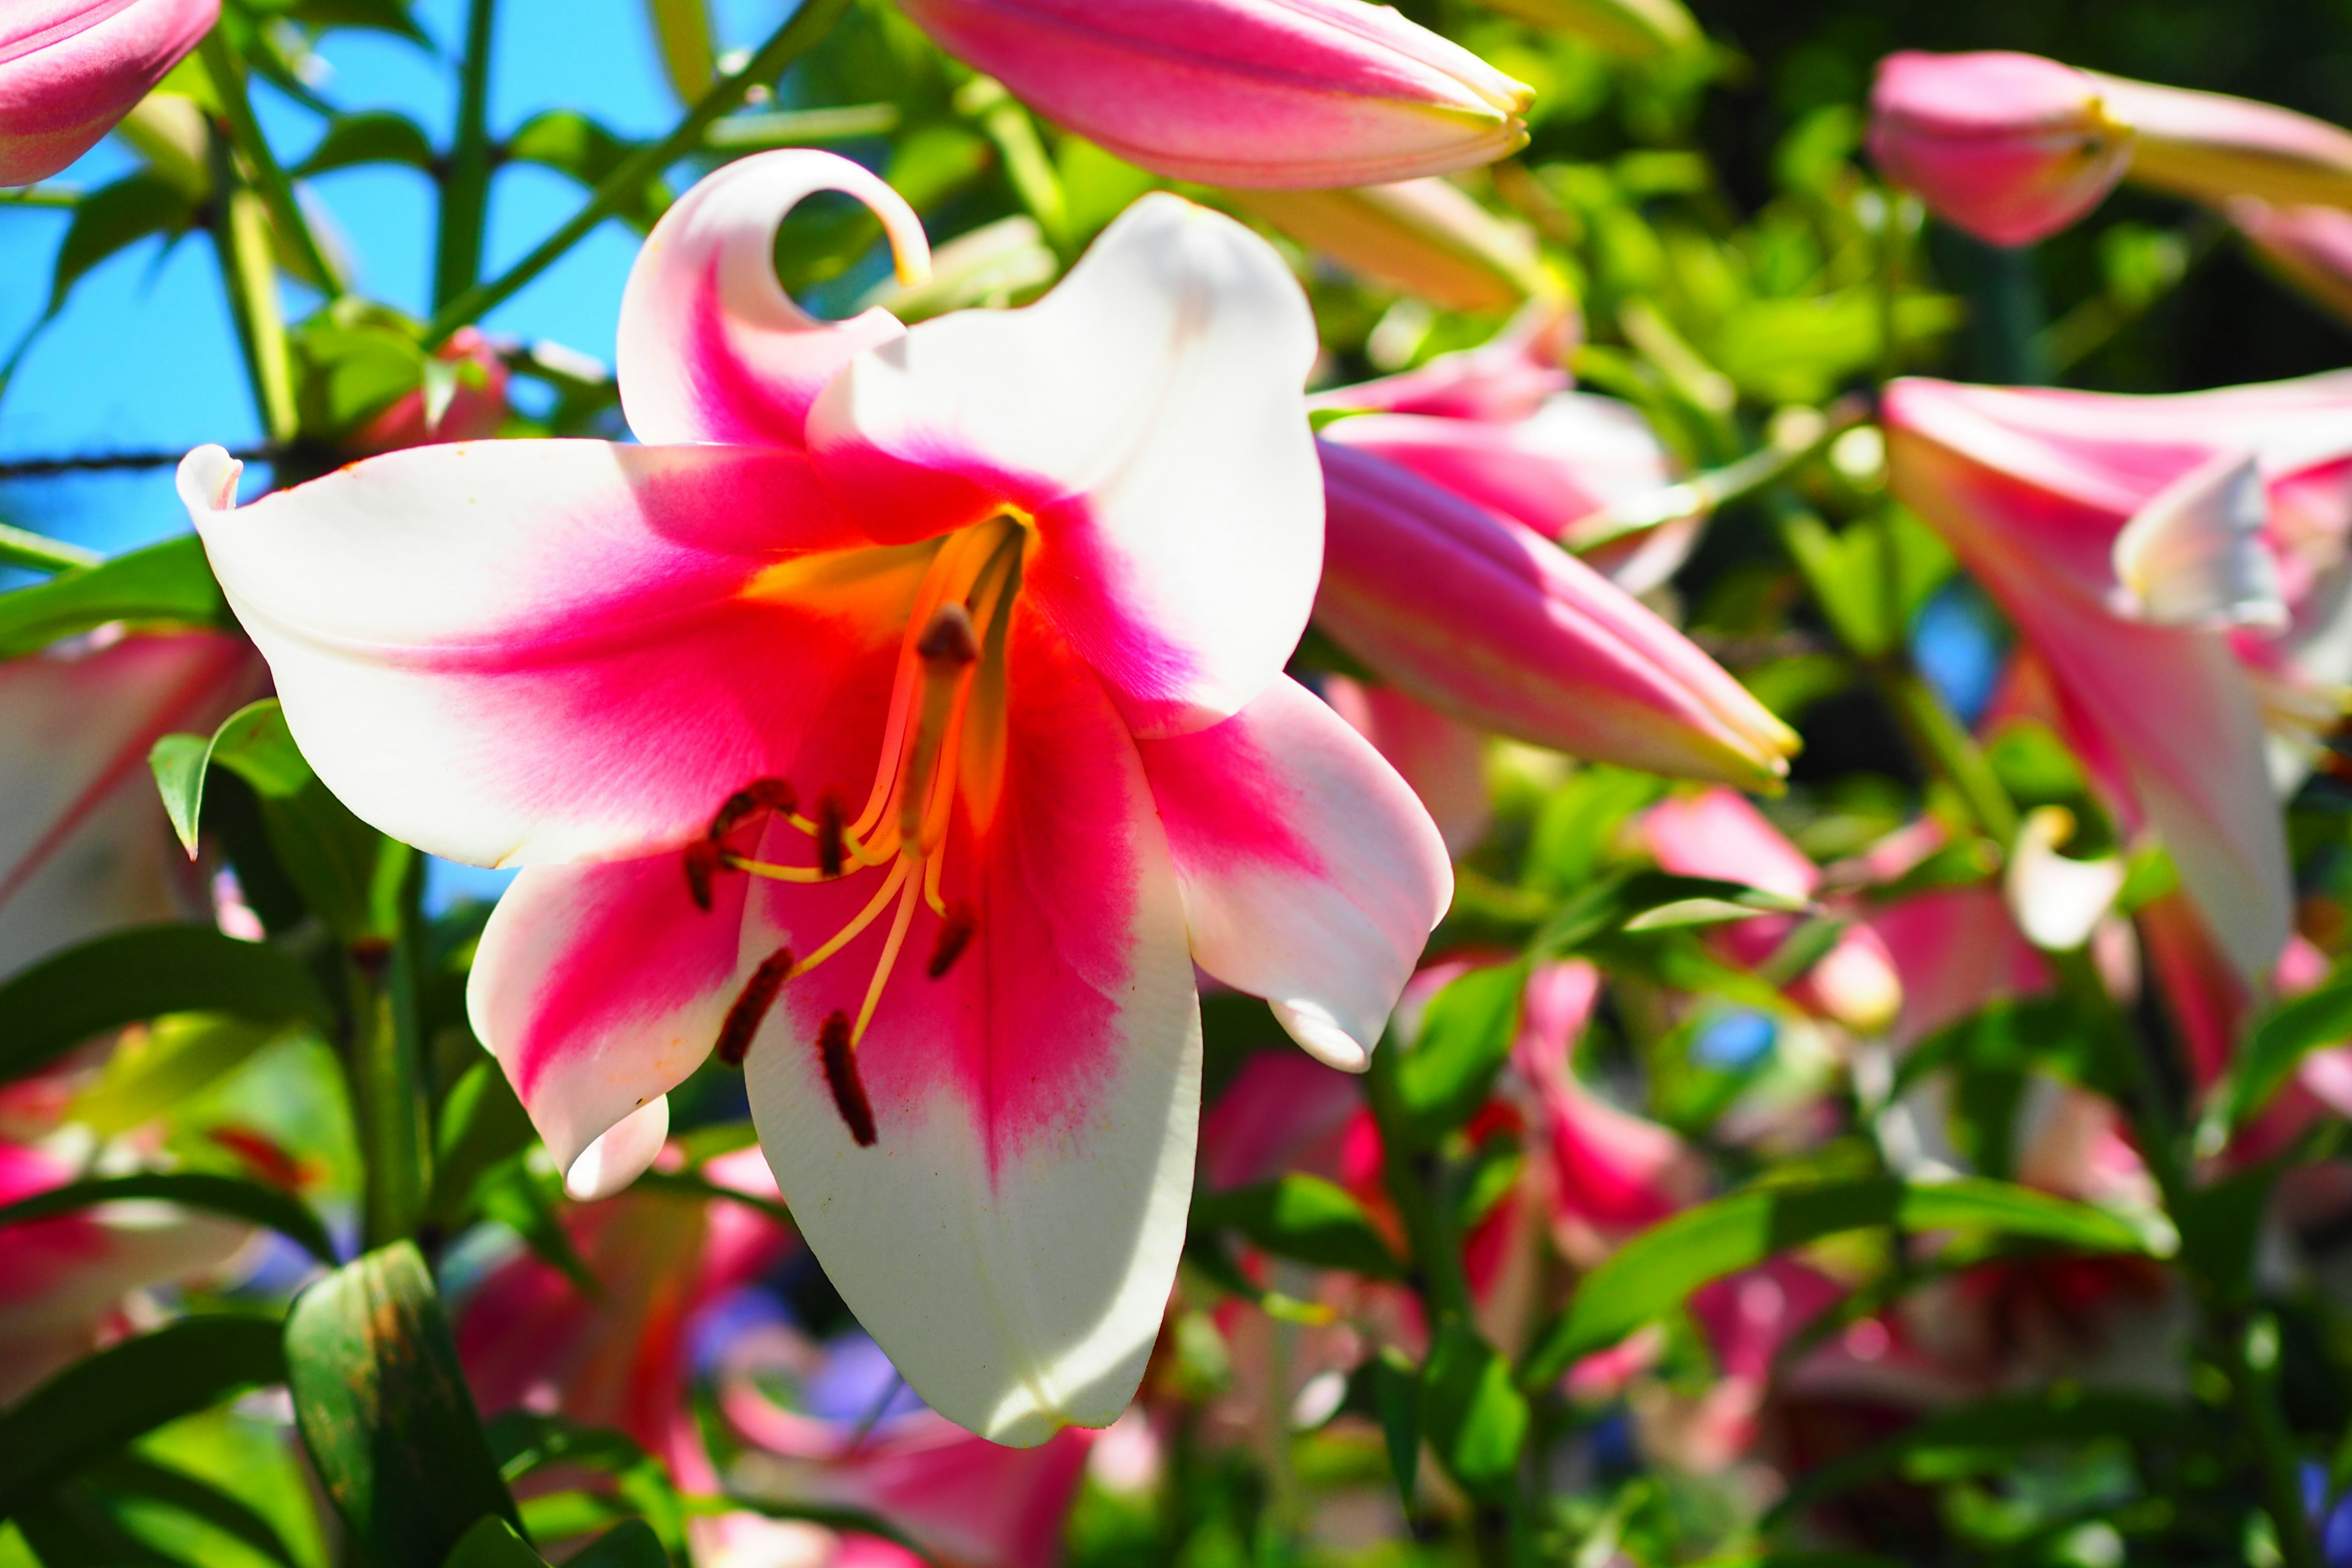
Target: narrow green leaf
(131, 1475)
(170, 581)
(1303, 1217)
(525, 1442)
(253, 742)
(1655, 1272)
(516, 1197)
(88, 1411)
(180, 1055)
(230, 1196)
(572, 143)
(1396, 1398)
(178, 763)
(375, 136)
(114, 218)
(131, 976)
(1472, 1412)
(1465, 1036)
(492, 1542)
(682, 28)
(384, 1413)
(2279, 1043)
(631, 1544)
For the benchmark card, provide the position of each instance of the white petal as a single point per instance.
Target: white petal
(621, 1154)
(2194, 556)
(2057, 902)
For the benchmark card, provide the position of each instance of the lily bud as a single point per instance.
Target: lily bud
(465, 401)
(2310, 246)
(69, 70)
(2209, 147)
(1427, 236)
(2009, 147)
(1484, 618)
(1294, 94)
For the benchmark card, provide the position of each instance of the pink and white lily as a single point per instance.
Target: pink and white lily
(2178, 563)
(904, 721)
(84, 845)
(70, 69)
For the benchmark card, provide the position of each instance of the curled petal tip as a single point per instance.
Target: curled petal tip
(207, 481)
(1322, 1036)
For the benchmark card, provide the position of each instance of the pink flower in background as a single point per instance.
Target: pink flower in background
(1955, 951)
(1503, 380)
(63, 1279)
(1717, 834)
(85, 846)
(1291, 93)
(70, 69)
(904, 722)
(2212, 147)
(2310, 246)
(1483, 618)
(2179, 564)
(1442, 758)
(2009, 147)
(477, 405)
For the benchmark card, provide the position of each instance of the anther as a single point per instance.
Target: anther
(704, 860)
(831, 851)
(948, 642)
(759, 794)
(841, 1077)
(955, 935)
(752, 1005)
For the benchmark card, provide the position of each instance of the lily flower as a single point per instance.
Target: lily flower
(2310, 246)
(903, 721)
(1287, 93)
(85, 846)
(70, 69)
(2178, 565)
(2014, 147)
(1442, 758)
(1481, 617)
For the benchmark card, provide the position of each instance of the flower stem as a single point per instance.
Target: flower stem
(808, 25)
(269, 177)
(466, 192)
(240, 229)
(37, 553)
(388, 1080)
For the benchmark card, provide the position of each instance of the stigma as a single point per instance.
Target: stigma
(955, 623)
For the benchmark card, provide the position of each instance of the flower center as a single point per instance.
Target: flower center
(955, 625)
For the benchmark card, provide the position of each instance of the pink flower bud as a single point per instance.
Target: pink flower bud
(2310, 246)
(477, 405)
(2210, 146)
(2009, 147)
(1481, 617)
(1289, 93)
(70, 69)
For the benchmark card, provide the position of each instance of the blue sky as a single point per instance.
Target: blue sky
(144, 357)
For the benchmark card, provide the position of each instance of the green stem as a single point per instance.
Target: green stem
(466, 193)
(1416, 1182)
(808, 25)
(240, 228)
(38, 552)
(387, 1094)
(1707, 492)
(1947, 743)
(42, 197)
(276, 191)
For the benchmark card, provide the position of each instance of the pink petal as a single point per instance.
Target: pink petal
(70, 69)
(1504, 379)
(1311, 875)
(84, 845)
(970, 1501)
(1955, 951)
(2210, 146)
(530, 651)
(1717, 833)
(1442, 758)
(1147, 416)
(710, 348)
(1032, 1109)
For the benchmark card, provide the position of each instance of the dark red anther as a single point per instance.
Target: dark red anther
(955, 935)
(704, 861)
(752, 1005)
(832, 854)
(759, 794)
(841, 1077)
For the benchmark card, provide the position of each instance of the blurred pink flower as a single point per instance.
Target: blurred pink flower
(2179, 564)
(1500, 381)
(84, 844)
(1441, 757)
(1288, 93)
(2011, 147)
(475, 408)
(70, 69)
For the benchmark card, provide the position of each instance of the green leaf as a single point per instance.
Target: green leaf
(682, 28)
(479, 1126)
(1465, 1036)
(1303, 1217)
(131, 1475)
(384, 1413)
(1396, 1400)
(1652, 901)
(525, 1442)
(631, 1544)
(492, 1542)
(253, 742)
(1655, 1272)
(180, 1055)
(231, 1196)
(114, 218)
(1472, 1412)
(88, 1411)
(170, 583)
(129, 976)
(523, 1201)
(2064, 1415)
(572, 143)
(375, 136)
(2287, 1034)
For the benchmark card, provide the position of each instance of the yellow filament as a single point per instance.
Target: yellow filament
(776, 873)
(865, 918)
(888, 962)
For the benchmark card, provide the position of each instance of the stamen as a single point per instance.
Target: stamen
(704, 860)
(889, 958)
(947, 648)
(759, 794)
(830, 848)
(848, 933)
(841, 1077)
(774, 872)
(751, 1008)
(955, 935)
